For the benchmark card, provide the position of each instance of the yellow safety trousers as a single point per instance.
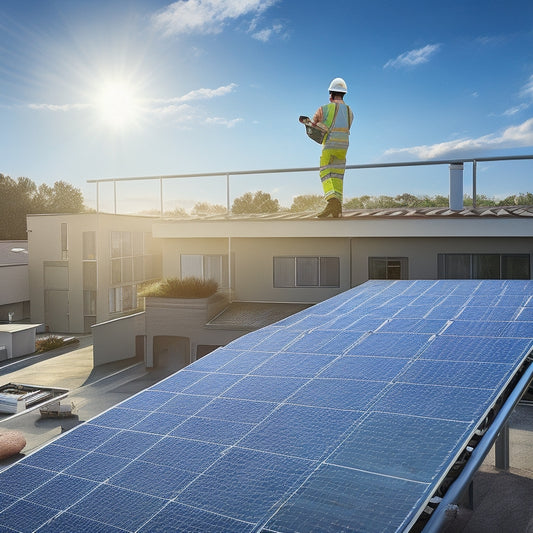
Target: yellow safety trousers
(332, 166)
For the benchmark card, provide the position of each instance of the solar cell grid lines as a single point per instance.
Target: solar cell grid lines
(343, 417)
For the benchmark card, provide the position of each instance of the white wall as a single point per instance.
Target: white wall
(114, 340)
(14, 284)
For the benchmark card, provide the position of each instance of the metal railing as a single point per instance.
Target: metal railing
(229, 174)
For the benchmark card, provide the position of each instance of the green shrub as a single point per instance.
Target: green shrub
(180, 288)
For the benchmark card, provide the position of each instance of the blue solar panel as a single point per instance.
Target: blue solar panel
(344, 417)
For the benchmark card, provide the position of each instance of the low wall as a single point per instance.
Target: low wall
(182, 317)
(115, 340)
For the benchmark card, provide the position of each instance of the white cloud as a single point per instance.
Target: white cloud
(514, 110)
(57, 107)
(205, 16)
(197, 94)
(527, 89)
(413, 58)
(265, 35)
(180, 109)
(172, 109)
(512, 137)
(219, 121)
(206, 94)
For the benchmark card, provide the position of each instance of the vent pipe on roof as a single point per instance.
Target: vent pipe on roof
(456, 186)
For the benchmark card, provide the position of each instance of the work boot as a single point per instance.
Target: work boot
(333, 209)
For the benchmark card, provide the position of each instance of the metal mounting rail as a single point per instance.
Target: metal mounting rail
(479, 453)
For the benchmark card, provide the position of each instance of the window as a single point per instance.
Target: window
(137, 243)
(123, 299)
(387, 268)
(483, 266)
(116, 271)
(89, 303)
(89, 245)
(515, 266)
(131, 262)
(64, 241)
(284, 272)
(127, 269)
(128, 260)
(115, 300)
(89, 275)
(116, 248)
(306, 271)
(138, 268)
(205, 267)
(90, 278)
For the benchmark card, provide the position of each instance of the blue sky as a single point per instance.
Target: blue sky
(116, 88)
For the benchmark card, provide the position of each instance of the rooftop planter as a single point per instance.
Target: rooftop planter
(187, 288)
(189, 302)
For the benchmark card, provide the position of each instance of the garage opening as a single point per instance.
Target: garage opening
(171, 352)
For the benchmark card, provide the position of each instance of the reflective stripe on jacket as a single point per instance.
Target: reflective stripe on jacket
(339, 135)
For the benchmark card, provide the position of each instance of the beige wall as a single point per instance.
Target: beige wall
(44, 245)
(252, 264)
(254, 268)
(422, 252)
(116, 339)
(185, 318)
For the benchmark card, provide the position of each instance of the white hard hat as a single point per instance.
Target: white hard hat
(338, 85)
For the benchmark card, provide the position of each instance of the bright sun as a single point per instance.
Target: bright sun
(117, 104)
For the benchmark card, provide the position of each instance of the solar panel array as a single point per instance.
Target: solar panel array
(343, 417)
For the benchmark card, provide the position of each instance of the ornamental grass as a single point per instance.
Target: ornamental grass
(180, 288)
(52, 342)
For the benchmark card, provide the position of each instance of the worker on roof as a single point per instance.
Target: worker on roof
(338, 118)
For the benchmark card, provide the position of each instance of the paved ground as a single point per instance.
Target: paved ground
(503, 501)
(93, 390)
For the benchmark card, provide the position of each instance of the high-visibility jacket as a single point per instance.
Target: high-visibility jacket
(338, 117)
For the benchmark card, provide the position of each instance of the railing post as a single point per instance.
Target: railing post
(160, 197)
(456, 186)
(227, 194)
(474, 183)
(115, 197)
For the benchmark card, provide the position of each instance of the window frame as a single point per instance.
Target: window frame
(204, 265)
(372, 267)
(475, 267)
(286, 273)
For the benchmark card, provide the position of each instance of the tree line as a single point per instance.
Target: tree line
(21, 197)
(262, 202)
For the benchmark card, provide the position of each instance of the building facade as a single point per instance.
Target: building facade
(287, 258)
(14, 284)
(85, 269)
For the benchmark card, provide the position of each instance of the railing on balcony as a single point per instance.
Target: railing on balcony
(455, 186)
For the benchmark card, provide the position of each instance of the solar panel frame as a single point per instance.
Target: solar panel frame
(247, 439)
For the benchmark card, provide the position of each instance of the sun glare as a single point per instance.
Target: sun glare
(117, 104)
